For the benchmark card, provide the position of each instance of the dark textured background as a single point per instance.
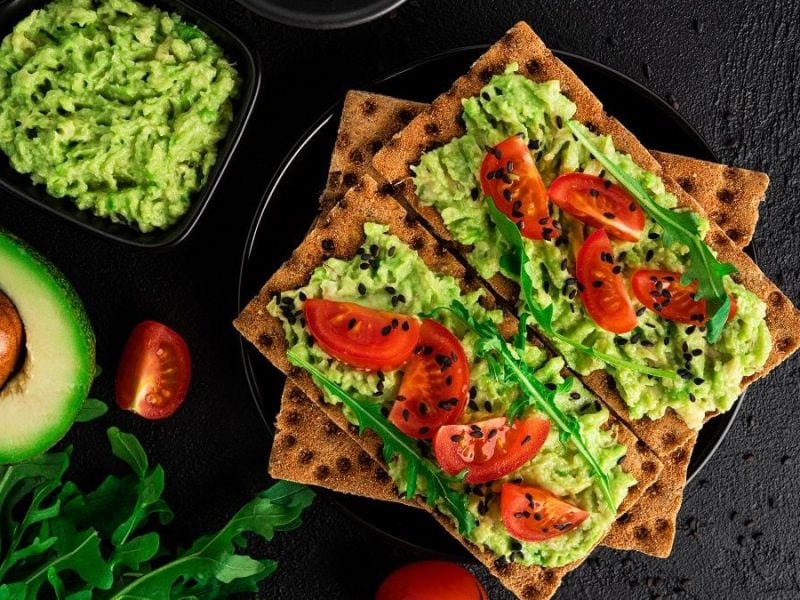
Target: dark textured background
(730, 66)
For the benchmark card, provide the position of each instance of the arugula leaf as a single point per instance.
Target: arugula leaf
(92, 409)
(544, 315)
(395, 443)
(494, 346)
(211, 565)
(57, 541)
(682, 228)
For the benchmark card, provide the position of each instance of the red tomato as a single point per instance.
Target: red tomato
(510, 177)
(362, 337)
(602, 286)
(598, 203)
(431, 580)
(532, 514)
(489, 449)
(435, 386)
(154, 371)
(662, 292)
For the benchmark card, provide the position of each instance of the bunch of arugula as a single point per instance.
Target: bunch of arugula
(506, 365)
(521, 265)
(438, 485)
(58, 541)
(679, 227)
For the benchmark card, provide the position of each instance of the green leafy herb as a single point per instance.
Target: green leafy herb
(679, 227)
(92, 409)
(505, 361)
(56, 540)
(395, 443)
(543, 316)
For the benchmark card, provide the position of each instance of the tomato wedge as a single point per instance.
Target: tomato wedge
(510, 177)
(599, 203)
(662, 292)
(602, 286)
(362, 337)
(489, 449)
(435, 385)
(431, 580)
(154, 371)
(532, 514)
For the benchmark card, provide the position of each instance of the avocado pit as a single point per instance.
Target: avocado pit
(12, 334)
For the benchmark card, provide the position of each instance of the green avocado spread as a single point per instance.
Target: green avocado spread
(115, 105)
(448, 178)
(557, 467)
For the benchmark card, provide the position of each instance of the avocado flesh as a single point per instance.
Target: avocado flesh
(40, 401)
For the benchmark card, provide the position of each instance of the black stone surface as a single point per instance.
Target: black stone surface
(730, 66)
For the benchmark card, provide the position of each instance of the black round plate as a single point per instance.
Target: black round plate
(321, 14)
(290, 204)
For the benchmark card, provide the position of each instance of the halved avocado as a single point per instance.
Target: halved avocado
(55, 366)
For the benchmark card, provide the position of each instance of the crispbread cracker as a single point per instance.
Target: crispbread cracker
(367, 122)
(342, 230)
(442, 122)
(729, 196)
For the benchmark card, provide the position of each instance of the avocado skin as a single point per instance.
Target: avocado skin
(68, 297)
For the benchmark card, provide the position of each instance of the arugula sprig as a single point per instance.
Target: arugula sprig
(505, 364)
(56, 540)
(439, 485)
(543, 315)
(679, 227)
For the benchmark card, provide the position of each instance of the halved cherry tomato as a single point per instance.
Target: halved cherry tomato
(431, 580)
(532, 514)
(489, 449)
(510, 177)
(602, 286)
(435, 385)
(154, 371)
(599, 203)
(662, 292)
(362, 337)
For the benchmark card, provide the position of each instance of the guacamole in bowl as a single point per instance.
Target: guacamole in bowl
(116, 106)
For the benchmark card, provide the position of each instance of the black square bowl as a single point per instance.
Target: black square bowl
(248, 65)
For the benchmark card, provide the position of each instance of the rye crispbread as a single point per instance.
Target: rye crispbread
(367, 122)
(441, 123)
(341, 232)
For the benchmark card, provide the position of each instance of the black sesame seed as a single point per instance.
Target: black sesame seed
(697, 352)
(641, 311)
(456, 438)
(386, 330)
(473, 392)
(699, 381)
(690, 329)
(406, 415)
(597, 283)
(423, 409)
(575, 395)
(616, 270)
(609, 215)
(405, 326)
(632, 207)
(351, 323)
(559, 122)
(650, 254)
(390, 290)
(594, 193)
(533, 144)
(487, 406)
(424, 430)
(473, 405)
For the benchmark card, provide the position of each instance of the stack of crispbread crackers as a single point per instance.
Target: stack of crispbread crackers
(379, 139)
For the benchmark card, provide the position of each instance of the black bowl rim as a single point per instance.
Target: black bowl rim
(321, 20)
(172, 236)
(697, 462)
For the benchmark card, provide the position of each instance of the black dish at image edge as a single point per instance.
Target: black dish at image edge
(291, 199)
(321, 14)
(249, 66)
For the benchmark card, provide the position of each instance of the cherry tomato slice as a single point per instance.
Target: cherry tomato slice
(532, 514)
(510, 177)
(362, 337)
(154, 371)
(489, 449)
(435, 385)
(598, 203)
(602, 286)
(431, 580)
(662, 292)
